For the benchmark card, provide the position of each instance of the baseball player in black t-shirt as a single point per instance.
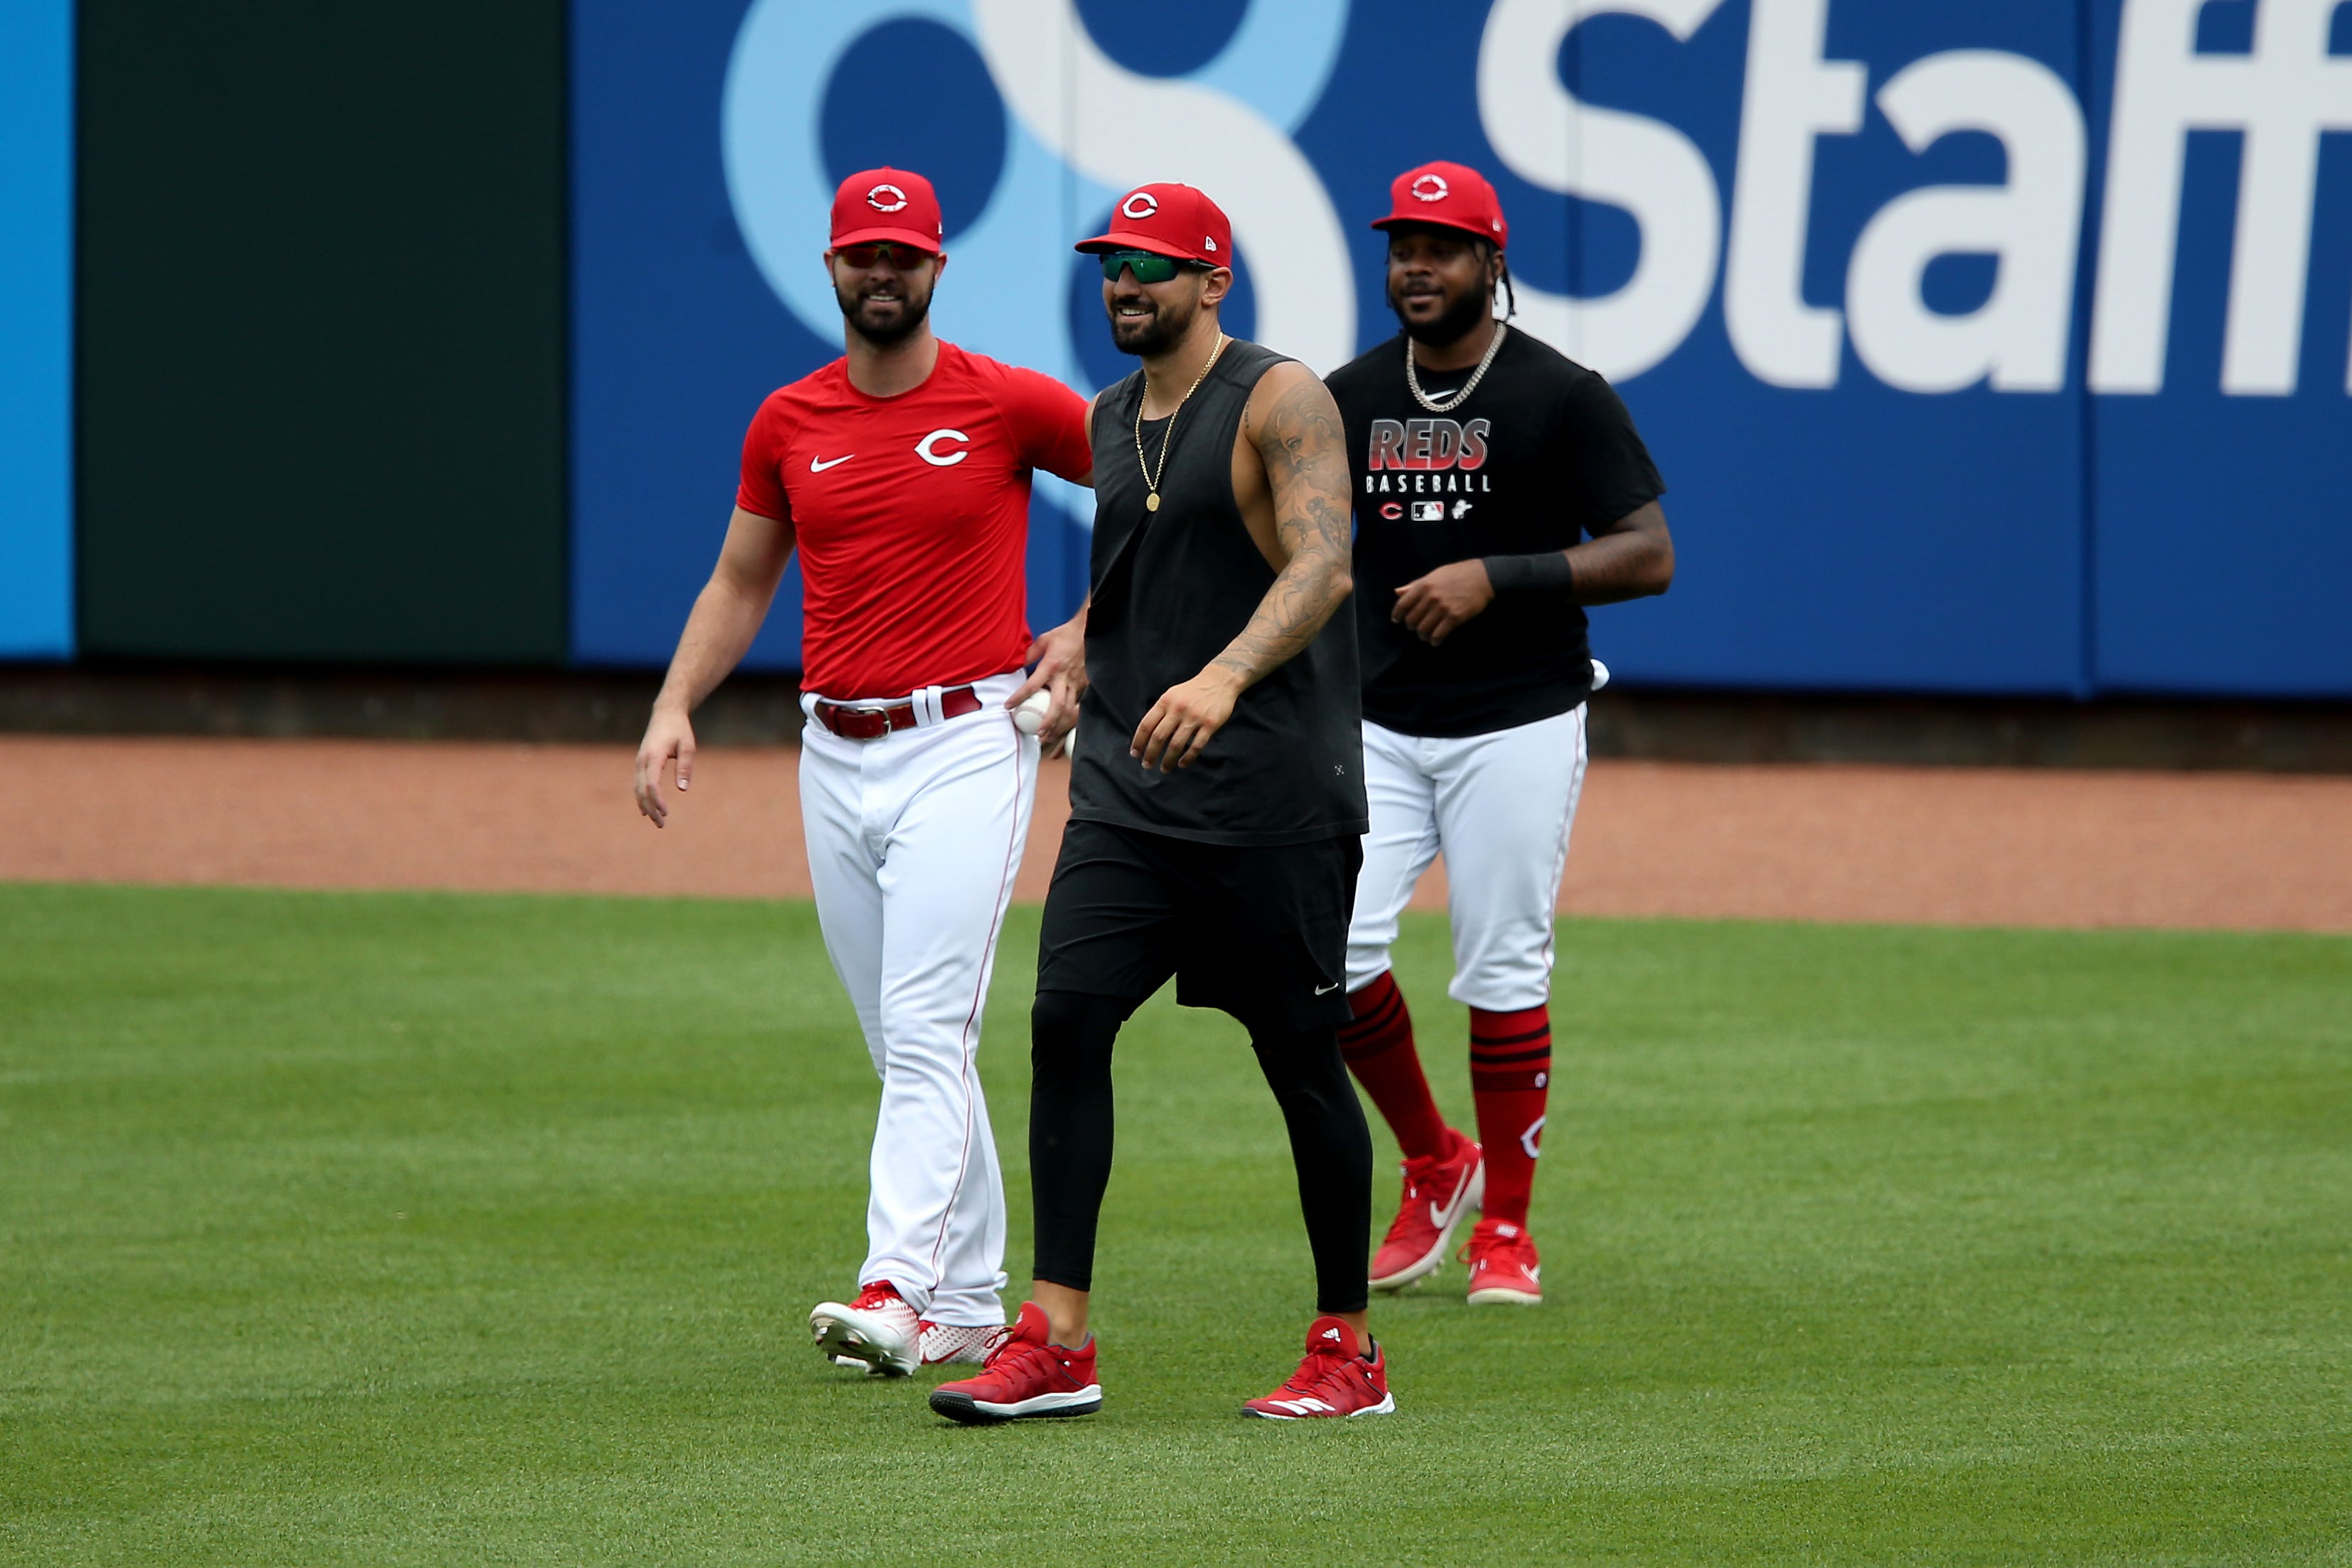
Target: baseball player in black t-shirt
(1482, 459)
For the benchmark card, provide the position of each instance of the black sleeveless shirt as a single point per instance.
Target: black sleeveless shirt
(1171, 587)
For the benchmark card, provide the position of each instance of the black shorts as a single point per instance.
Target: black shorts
(1259, 932)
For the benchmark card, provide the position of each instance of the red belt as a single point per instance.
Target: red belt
(855, 723)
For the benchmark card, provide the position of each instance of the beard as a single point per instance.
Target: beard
(1144, 336)
(1449, 325)
(894, 326)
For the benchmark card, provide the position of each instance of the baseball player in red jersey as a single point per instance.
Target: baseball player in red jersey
(900, 472)
(1500, 486)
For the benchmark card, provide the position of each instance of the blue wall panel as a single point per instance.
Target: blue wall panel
(1840, 256)
(36, 329)
(2222, 521)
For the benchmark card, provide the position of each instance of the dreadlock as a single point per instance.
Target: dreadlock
(1489, 251)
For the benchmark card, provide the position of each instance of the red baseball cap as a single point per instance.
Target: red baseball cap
(887, 204)
(1450, 196)
(1168, 220)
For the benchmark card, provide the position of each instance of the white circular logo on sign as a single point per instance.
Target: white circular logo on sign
(923, 448)
(1141, 205)
(886, 198)
(1430, 188)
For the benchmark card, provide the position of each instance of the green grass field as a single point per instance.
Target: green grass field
(399, 1230)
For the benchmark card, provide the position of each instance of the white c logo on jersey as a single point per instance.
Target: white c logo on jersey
(923, 448)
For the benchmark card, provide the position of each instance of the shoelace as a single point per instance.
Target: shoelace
(1323, 1365)
(1016, 1355)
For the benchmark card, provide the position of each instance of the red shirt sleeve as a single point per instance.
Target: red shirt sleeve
(1048, 421)
(761, 490)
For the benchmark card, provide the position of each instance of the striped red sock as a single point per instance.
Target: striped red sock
(1377, 1046)
(1511, 1075)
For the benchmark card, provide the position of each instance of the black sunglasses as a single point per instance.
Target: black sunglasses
(905, 257)
(1146, 266)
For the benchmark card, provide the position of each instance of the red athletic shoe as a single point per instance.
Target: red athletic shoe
(1438, 1191)
(1503, 1265)
(1337, 1378)
(1024, 1375)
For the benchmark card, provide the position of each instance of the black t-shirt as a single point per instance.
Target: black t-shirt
(1540, 455)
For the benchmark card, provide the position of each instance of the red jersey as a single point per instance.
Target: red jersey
(911, 517)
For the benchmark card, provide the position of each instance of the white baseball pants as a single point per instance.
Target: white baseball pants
(1499, 807)
(913, 840)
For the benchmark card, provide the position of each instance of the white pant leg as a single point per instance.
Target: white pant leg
(1397, 847)
(844, 871)
(1506, 802)
(959, 796)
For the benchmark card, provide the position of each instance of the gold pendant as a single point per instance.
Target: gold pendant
(1152, 502)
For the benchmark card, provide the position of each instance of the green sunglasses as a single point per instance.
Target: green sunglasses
(1146, 266)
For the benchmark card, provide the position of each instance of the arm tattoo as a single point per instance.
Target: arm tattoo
(1305, 456)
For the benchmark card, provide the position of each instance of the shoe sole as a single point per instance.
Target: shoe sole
(1496, 1297)
(971, 1412)
(1429, 1262)
(843, 1340)
(1387, 1406)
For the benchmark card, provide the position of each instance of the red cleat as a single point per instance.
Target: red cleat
(945, 1342)
(878, 1330)
(1024, 1375)
(1504, 1267)
(1438, 1192)
(1339, 1377)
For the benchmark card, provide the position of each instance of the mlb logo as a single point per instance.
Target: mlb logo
(1429, 511)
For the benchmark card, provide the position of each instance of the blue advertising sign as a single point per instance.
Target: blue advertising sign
(36, 328)
(1996, 347)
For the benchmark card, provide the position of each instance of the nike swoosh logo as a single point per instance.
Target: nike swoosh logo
(1327, 990)
(818, 466)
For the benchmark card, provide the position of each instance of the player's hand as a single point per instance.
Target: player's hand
(1058, 666)
(668, 735)
(1434, 606)
(1180, 723)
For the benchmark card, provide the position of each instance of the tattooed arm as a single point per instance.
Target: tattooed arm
(1292, 427)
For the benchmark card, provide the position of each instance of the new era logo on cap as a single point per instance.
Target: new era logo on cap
(1167, 220)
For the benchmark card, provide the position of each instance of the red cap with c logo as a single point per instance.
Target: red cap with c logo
(1449, 195)
(887, 204)
(1168, 220)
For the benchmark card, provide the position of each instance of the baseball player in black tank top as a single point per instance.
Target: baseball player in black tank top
(1217, 795)
(1483, 461)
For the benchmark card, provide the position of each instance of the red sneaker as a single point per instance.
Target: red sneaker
(877, 1331)
(1339, 1377)
(1503, 1265)
(1024, 1375)
(1438, 1191)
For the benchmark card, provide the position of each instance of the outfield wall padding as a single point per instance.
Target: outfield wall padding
(322, 331)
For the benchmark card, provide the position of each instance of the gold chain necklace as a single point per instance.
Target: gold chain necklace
(1448, 406)
(1150, 475)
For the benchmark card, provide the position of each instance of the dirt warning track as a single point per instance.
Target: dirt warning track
(1968, 846)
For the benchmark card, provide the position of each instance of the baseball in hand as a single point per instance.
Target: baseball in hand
(1030, 717)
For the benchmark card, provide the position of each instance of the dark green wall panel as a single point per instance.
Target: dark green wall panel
(321, 330)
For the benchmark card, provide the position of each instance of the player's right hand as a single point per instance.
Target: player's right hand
(668, 736)
(1058, 666)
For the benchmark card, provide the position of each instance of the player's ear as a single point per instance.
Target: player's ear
(1215, 283)
(938, 265)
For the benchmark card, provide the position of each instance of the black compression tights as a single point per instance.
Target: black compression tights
(1070, 1139)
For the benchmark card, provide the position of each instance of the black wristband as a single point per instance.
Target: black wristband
(1517, 573)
